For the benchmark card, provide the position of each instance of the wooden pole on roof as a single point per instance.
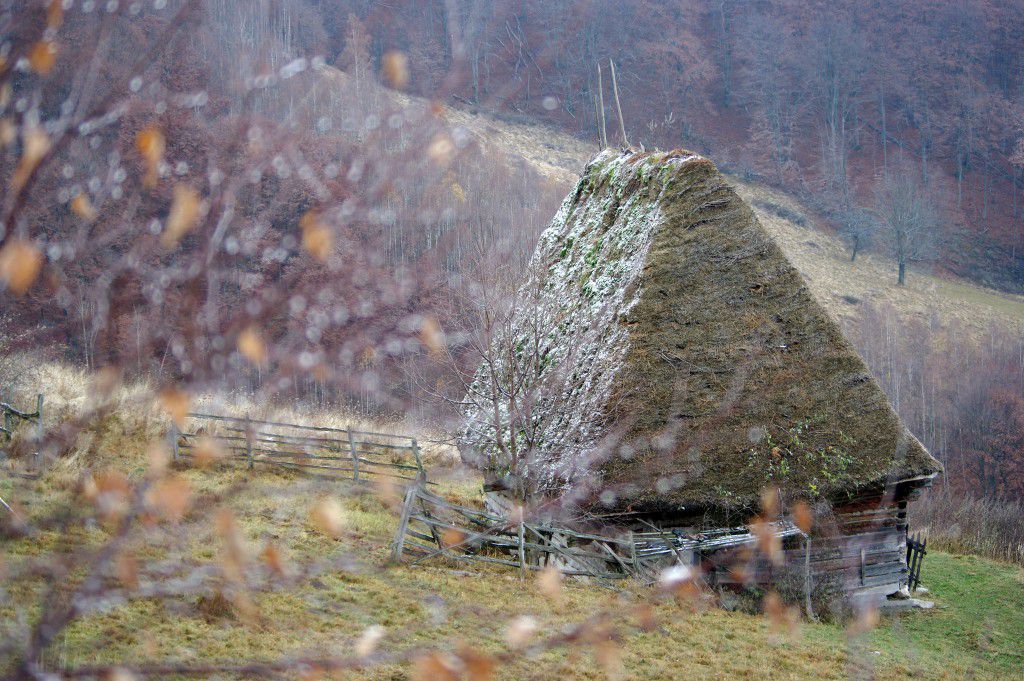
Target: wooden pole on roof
(618, 105)
(600, 109)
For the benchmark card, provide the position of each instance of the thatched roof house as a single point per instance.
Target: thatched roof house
(675, 362)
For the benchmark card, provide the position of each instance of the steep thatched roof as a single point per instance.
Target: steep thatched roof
(698, 369)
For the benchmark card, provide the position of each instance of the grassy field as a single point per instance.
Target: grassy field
(976, 630)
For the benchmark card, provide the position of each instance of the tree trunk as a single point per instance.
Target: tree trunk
(902, 279)
(856, 247)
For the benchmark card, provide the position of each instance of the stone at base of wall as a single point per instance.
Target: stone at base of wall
(907, 604)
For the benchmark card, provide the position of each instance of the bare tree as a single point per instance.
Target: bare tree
(908, 217)
(512, 382)
(859, 228)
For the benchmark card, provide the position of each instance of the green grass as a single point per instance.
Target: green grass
(977, 628)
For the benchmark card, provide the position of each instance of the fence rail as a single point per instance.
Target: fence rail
(11, 414)
(328, 452)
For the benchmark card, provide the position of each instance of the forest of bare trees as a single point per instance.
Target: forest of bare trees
(820, 97)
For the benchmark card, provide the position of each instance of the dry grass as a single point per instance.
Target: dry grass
(968, 524)
(842, 286)
(134, 415)
(433, 606)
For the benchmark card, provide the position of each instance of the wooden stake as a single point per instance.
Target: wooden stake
(807, 577)
(248, 440)
(600, 110)
(355, 457)
(618, 105)
(39, 430)
(39, 416)
(419, 461)
(172, 440)
(522, 549)
(403, 524)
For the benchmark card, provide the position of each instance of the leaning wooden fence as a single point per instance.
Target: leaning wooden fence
(341, 453)
(432, 527)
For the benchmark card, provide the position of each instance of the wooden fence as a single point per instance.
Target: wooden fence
(917, 549)
(328, 452)
(11, 415)
(432, 527)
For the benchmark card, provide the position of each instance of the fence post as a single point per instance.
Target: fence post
(248, 439)
(355, 457)
(419, 461)
(172, 441)
(39, 416)
(807, 577)
(39, 431)
(522, 547)
(403, 524)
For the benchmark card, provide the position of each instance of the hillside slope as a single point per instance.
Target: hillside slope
(820, 255)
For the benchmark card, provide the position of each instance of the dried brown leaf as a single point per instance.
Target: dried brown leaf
(8, 132)
(478, 666)
(369, 640)
(108, 491)
(106, 380)
(185, 209)
(176, 403)
(158, 459)
(520, 631)
(316, 236)
(36, 144)
(42, 57)
(434, 666)
(328, 517)
(387, 492)
(251, 345)
(170, 498)
(646, 620)
(432, 337)
(609, 657)
(20, 263)
(208, 452)
(54, 13)
(395, 69)
(83, 208)
(770, 502)
(120, 674)
(151, 145)
(768, 541)
(781, 618)
(273, 557)
(441, 149)
(234, 557)
(127, 567)
(803, 516)
(866, 620)
(452, 537)
(549, 582)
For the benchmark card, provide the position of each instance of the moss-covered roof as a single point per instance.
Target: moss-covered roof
(702, 368)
